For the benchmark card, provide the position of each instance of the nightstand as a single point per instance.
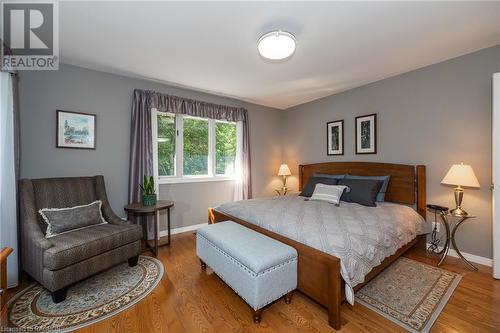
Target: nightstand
(281, 191)
(140, 209)
(456, 220)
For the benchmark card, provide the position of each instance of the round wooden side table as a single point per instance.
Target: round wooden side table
(137, 208)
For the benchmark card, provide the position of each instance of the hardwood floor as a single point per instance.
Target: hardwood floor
(190, 300)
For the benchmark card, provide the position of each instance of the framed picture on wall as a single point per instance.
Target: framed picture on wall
(335, 137)
(75, 130)
(366, 134)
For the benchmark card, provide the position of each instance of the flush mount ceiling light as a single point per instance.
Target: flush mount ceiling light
(276, 45)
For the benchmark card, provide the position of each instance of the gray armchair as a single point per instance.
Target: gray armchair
(62, 260)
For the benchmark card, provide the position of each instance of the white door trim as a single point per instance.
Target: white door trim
(496, 175)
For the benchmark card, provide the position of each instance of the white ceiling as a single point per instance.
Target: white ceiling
(212, 46)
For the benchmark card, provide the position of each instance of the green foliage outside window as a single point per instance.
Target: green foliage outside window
(166, 145)
(195, 147)
(225, 148)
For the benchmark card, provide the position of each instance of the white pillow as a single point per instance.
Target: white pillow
(328, 193)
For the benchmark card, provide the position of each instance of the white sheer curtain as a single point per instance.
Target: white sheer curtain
(8, 219)
(238, 164)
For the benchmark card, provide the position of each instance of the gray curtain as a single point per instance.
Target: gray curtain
(17, 156)
(9, 171)
(141, 152)
(141, 142)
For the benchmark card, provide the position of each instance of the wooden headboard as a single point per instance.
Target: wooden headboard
(407, 184)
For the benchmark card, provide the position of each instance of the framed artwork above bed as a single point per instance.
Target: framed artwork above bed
(335, 137)
(366, 134)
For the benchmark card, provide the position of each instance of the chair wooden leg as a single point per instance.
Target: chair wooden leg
(132, 262)
(257, 314)
(203, 265)
(59, 295)
(288, 297)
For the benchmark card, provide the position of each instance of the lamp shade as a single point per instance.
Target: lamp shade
(461, 175)
(284, 170)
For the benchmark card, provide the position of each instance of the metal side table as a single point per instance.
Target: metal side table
(450, 236)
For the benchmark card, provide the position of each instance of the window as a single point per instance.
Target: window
(166, 144)
(189, 148)
(195, 147)
(225, 148)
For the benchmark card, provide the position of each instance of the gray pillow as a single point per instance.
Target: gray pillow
(383, 188)
(62, 220)
(361, 191)
(326, 175)
(308, 190)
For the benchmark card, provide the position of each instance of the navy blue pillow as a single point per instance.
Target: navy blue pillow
(361, 191)
(308, 190)
(383, 188)
(326, 175)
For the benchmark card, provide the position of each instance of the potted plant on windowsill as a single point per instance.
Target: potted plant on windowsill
(148, 191)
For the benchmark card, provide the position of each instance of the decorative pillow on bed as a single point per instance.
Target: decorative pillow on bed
(328, 193)
(62, 220)
(383, 188)
(308, 190)
(326, 175)
(361, 191)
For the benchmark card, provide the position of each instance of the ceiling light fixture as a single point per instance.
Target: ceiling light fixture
(276, 45)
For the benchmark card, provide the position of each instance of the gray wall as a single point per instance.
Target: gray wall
(110, 97)
(436, 116)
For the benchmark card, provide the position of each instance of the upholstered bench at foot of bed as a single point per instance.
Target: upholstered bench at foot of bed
(258, 268)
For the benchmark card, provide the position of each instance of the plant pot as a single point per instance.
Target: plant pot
(149, 199)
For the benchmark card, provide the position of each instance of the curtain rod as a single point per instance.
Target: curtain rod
(11, 72)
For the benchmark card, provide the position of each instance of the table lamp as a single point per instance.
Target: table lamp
(284, 171)
(460, 175)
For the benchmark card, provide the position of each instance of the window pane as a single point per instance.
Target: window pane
(225, 148)
(195, 147)
(166, 145)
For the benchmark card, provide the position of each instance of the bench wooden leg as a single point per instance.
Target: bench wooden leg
(257, 315)
(288, 297)
(203, 265)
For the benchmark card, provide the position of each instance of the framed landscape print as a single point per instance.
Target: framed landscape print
(75, 130)
(366, 134)
(335, 137)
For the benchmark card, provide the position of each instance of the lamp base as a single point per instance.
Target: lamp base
(458, 212)
(459, 196)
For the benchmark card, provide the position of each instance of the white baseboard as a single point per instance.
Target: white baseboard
(471, 257)
(174, 231)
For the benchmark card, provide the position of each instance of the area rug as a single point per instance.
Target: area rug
(94, 299)
(410, 293)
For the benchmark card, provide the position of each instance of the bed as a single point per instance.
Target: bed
(320, 273)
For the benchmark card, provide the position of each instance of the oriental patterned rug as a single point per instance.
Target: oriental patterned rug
(410, 293)
(94, 299)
